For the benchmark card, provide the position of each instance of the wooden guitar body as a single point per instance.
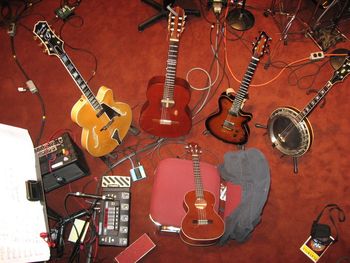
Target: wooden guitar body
(201, 226)
(226, 126)
(104, 121)
(102, 134)
(163, 120)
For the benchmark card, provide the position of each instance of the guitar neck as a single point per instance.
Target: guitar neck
(81, 83)
(197, 177)
(314, 102)
(243, 89)
(170, 75)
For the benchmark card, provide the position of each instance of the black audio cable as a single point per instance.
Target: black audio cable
(30, 85)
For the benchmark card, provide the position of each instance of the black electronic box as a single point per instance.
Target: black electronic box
(61, 162)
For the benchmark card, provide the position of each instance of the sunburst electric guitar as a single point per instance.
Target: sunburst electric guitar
(166, 112)
(201, 226)
(105, 122)
(230, 122)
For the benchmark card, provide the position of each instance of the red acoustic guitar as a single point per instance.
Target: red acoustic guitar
(166, 112)
(201, 226)
(230, 122)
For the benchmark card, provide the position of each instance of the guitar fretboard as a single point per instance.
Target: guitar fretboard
(169, 85)
(81, 83)
(197, 176)
(243, 89)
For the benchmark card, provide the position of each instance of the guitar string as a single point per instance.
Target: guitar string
(311, 105)
(301, 115)
(169, 77)
(201, 212)
(243, 89)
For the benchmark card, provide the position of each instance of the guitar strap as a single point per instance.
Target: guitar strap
(322, 232)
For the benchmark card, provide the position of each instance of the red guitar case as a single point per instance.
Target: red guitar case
(173, 179)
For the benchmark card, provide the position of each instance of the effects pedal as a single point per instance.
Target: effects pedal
(115, 215)
(137, 173)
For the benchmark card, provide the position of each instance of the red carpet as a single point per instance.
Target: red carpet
(128, 59)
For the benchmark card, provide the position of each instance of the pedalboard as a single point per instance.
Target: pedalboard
(61, 162)
(115, 214)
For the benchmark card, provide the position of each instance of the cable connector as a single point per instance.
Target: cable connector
(21, 89)
(31, 86)
(315, 56)
(64, 12)
(12, 29)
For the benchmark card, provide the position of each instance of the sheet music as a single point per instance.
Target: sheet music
(21, 221)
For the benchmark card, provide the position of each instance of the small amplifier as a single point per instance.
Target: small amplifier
(61, 162)
(115, 215)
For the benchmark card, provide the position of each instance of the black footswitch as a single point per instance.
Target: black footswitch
(115, 215)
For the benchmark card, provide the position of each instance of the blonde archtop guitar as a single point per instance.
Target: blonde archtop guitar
(104, 121)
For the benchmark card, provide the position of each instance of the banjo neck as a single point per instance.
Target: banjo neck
(338, 76)
(315, 101)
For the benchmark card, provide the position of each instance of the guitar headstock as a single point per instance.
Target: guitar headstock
(176, 23)
(193, 148)
(52, 43)
(261, 45)
(342, 72)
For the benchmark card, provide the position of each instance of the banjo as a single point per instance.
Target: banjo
(289, 129)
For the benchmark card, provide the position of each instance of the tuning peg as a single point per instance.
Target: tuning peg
(45, 51)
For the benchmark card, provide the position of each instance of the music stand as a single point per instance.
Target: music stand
(240, 18)
(162, 12)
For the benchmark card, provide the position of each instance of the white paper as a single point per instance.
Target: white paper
(21, 221)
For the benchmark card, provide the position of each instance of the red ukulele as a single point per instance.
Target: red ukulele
(166, 112)
(201, 226)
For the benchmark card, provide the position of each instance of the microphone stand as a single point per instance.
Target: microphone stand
(240, 18)
(76, 247)
(62, 222)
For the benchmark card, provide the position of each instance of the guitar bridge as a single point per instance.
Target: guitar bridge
(165, 121)
(202, 222)
(107, 125)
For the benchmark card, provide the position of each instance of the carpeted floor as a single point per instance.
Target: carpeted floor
(103, 41)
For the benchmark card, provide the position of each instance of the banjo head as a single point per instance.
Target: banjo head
(287, 134)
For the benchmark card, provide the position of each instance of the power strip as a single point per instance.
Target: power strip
(315, 56)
